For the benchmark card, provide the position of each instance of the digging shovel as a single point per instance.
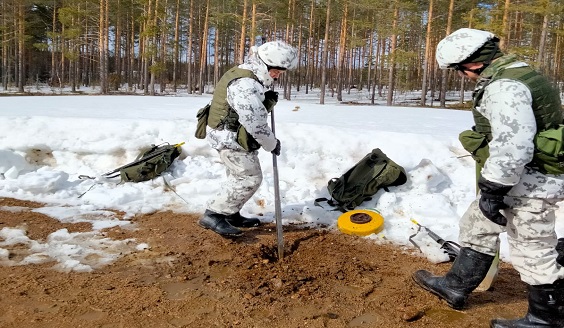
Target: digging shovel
(494, 268)
(491, 275)
(277, 207)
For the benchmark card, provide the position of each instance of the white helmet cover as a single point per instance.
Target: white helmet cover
(278, 54)
(460, 45)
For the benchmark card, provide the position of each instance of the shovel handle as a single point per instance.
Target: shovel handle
(277, 207)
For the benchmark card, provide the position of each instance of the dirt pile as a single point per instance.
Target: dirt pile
(191, 277)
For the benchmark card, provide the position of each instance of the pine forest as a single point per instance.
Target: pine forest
(151, 46)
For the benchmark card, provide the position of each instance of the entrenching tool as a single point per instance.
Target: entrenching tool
(452, 249)
(491, 275)
(449, 247)
(277, 207)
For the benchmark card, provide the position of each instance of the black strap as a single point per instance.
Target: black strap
(334, 204)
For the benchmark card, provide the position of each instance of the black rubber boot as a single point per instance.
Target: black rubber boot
(218, 223)
(466, 273)
(546, 308)
(237, 220)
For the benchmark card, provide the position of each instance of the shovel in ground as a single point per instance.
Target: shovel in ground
(277, 207)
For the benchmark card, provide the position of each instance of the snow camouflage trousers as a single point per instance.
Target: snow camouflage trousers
(530, 235)
(244, 176)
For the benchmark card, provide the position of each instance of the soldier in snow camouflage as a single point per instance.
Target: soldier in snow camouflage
(515, 195)
(239, 127)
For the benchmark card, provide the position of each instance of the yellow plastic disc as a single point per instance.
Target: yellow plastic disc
(360, 222)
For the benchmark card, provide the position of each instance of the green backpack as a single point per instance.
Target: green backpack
(364, 179)
(148, 165)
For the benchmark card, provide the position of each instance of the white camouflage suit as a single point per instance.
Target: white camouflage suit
(532, 200)
(244, 174)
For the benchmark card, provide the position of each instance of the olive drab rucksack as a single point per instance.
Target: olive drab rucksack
(372, 173)
(148, 165)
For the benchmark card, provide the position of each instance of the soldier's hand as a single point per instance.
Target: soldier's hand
(560, 251)
(276, 150)
(491, 200)
(270, 100)
(271, 95)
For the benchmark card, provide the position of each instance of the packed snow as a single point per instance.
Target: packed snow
(47, 142)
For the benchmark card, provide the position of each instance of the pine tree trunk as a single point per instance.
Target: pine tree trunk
(310, 55)
(190, 48)
(176, 46)
(542, 44)
(216, 61)
(505, 26)
(241, 54)
(5, 47)
(153, 47)
(341, 54)
(370, 60)
(325, 54)
(444, 72)
(117, 49)
(103, 47)
(203, 50)
(427, 57)
(392, 63)
(21, 46)
(131, 53)
(253, 23)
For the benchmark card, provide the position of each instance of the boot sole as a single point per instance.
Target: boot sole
(242, 225)
(221, 234)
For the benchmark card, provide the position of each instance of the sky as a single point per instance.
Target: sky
(47, 142)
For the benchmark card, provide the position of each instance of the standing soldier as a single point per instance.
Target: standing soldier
(518, 190)
(239, 128)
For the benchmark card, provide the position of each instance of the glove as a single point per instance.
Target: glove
(491, 200)
(560, 251)
(270, 100)
(271, 95)
(276, 150)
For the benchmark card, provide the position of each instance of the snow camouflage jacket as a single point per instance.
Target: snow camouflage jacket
(507, 105)
(245, 96)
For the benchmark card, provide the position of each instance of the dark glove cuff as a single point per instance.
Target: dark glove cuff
(269, 104)
(560, 245)
(491, 189)
(271, 95)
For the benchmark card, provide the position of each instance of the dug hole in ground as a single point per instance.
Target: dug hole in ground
(191, 277)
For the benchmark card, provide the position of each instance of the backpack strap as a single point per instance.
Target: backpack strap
(153, 152)
(335, 206)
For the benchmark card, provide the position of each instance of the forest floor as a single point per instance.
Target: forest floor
(191, 277)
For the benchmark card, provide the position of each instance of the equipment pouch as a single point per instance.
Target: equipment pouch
(549, 150)
(245, 140)
(202, 117)
(476, 144)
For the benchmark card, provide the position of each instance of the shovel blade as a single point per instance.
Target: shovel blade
(491, 275)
